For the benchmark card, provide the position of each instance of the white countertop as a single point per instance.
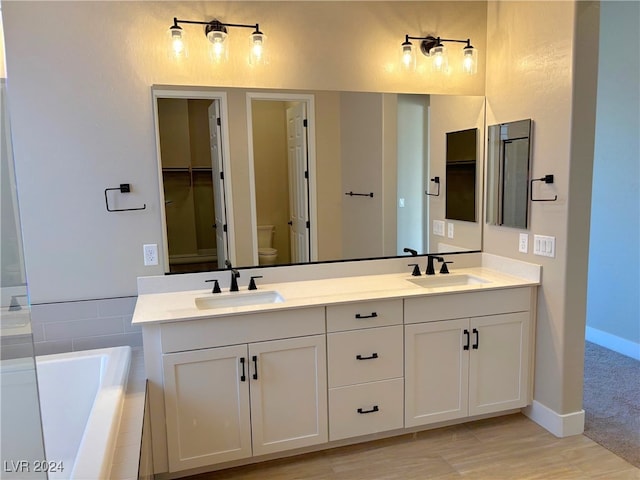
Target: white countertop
(177, 306)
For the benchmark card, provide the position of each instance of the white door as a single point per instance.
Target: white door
(298, 183)
(498, 372)
(207, 406)
(219, 201)
(436, 372)
(288, 394)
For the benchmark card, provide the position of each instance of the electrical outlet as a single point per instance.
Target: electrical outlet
(438, 228)
(150, 252)
(544, 246)
(523, 244)
(450, 230)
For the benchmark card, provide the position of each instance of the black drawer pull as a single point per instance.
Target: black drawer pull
(255, 366)
(466, 346)
(374, 409)
(243, 377)
(371, 357)
(477, 344)
(373, 315)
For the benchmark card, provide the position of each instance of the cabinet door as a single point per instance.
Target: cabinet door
(207, 406)
(288, 393)
(436, 372)
(499, 363)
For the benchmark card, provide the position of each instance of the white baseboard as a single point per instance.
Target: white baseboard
(613, 342)
(560, 425)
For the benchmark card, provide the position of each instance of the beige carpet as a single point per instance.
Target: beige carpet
(612, 401)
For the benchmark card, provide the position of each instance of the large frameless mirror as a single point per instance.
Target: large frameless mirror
(508, 165)
(276, 177)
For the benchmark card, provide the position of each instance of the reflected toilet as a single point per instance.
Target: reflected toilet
(267, 255)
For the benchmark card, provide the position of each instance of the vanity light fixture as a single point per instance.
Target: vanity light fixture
(216, 33)
(433, 47)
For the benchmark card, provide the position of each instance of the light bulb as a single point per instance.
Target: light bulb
(257, 44)
(177, 44)
(218, 48)
(439, 58)
(407, 58)
(469, 60)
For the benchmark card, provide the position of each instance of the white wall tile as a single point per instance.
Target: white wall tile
(83, 328)
(64, 311)
(106, 341)
(112, 307)
(47, 348)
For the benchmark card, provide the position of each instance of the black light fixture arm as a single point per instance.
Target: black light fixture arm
(215, 24)
(429, 41)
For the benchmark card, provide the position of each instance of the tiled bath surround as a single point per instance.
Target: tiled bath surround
(84, 325)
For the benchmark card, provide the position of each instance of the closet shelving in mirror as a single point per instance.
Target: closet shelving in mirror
(189, 170)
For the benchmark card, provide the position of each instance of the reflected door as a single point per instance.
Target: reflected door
(298, 188)
(215, 138)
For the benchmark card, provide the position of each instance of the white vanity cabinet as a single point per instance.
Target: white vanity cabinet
(246, 384)
(231, 402)
(466, 354)
(365, 368)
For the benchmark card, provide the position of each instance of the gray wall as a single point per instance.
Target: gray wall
(613, 306)
(551, 80)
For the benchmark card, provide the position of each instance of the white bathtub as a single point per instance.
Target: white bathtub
(81, 397)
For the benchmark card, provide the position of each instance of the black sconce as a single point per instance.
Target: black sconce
(431, 46)
(216, 33)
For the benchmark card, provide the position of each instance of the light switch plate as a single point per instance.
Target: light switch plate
(450, 230)
(544, 246)
(401, 203)
(438, 228)
(523, 244)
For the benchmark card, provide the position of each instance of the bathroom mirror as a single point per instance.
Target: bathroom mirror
(508, 165)
(367, 161)
(462, 153)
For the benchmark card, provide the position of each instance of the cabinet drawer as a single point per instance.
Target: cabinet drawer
(462, 305)
(366, 355)
(363, 315)
(365, 409)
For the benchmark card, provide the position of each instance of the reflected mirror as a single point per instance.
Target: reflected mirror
(508, 164)
(280, 177)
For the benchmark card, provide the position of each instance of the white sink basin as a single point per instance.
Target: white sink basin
(238, 299)
(447, 280)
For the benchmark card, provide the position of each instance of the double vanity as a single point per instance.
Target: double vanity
(315, 360)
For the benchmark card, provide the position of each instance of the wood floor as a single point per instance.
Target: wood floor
(509, 447)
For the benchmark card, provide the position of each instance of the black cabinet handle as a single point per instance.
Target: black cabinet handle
(255, 367)
(466, 347)
(243, 377)
(373, 355)
(477, 334)
(374, 409)
(373, 315)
